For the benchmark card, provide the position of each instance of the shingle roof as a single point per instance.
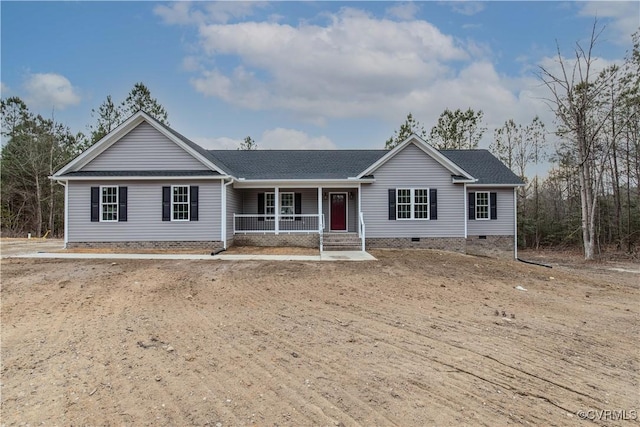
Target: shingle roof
(295, 164)
(158, 173)
(342, 164)
(333, 164)
(482, 165)
(190, 143)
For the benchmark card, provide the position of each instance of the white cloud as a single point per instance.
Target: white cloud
(179, 13)
(468, 8)
(292, 139)
(272, 139)
(349, 68)
(403, 11)
(220, 143)
(4, 90)
(185, 13)
(191, 63)
(50, 90)
(625, 16)
(475, 26)
(356, 65)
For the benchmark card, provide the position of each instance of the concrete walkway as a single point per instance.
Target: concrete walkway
(323, 256)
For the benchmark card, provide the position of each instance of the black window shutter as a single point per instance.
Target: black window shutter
(261, 206)
(95, 204)
(493, 204)
(193, 201)
(166, 203)
(122, 204)
(298, 205)
(392, 204)
(433, 204)
(472, 205)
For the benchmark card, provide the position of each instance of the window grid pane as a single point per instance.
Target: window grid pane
(181, 203)
(482, 205)
(286, 205)
(109, 203)
(403, 203)
(270, 205)
(412, 203)
(421, 208)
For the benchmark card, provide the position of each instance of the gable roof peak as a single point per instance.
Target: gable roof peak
(425, 147)
(125, 128)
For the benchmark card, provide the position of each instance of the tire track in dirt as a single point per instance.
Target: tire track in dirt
(384, 344)
(389, 329)
(299, 390)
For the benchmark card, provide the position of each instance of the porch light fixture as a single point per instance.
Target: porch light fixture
(351, 195)
(325, 196)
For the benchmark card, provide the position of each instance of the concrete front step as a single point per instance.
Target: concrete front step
(351, 237)
(342, 248)
(341, 242)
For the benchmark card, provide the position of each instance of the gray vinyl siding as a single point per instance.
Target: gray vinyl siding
(309, 199)
(144, 209)
(352, 208)
(144, 148)
(504, 225)
(413, 168)
(234, 205)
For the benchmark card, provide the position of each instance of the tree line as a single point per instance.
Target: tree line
(591, 194)
(36, 147)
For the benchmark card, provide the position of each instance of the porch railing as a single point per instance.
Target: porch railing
(262, 223)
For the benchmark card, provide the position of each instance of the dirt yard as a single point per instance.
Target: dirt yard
(417, 338)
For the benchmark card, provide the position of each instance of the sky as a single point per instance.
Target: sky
(299, 75)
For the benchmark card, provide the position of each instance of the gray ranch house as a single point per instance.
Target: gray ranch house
(145, 186)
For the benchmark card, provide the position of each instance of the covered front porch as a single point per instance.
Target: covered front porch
(279, 210)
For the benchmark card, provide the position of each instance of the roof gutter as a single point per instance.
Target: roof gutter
(303, 183)
(495, 185)
(137, 178)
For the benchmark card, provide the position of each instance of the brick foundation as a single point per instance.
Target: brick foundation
(302, 240)
(493, 246)
(207, 245)
(453, 244)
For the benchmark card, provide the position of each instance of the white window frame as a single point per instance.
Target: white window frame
(287, 216)
(270, 208)
(284, 216)
(412, 204)
(416, 204)
(174, 203)
(488, 206)
(103, 203)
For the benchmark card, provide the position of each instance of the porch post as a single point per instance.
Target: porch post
(276, 209)
(359, 209)
(320, 210)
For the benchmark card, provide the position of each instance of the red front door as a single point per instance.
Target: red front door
(339, 212)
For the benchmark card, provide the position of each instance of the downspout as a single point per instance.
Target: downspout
(320, 219)
(515, 222)
(66, 211)
(224, 212)
(359, 206)
(466, 212)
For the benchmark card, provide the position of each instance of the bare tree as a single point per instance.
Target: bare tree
(575, 99)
